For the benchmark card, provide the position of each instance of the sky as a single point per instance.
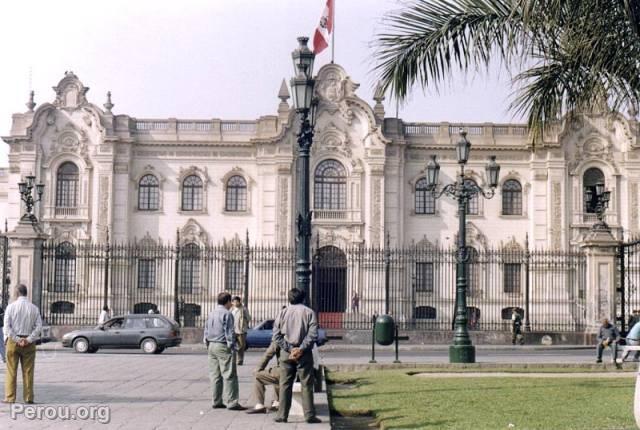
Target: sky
(206, 58)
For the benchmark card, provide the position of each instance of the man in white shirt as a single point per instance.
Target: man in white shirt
(22, 326)
(104, 315)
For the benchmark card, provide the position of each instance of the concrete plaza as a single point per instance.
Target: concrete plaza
(167, 391)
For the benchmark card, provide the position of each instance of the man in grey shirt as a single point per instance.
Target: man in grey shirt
(22, 326)
(296, 331)
(220, 340)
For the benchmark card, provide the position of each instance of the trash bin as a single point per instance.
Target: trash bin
(385, 330)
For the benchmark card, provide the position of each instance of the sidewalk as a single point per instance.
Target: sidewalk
(160, 392)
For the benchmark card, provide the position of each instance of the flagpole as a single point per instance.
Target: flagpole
(333, 31)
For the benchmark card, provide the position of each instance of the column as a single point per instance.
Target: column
(25, 243)
(600, 248)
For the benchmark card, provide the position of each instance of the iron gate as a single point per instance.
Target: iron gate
(628, 293)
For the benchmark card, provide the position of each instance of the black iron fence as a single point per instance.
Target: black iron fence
(4, 270)
(415, 284)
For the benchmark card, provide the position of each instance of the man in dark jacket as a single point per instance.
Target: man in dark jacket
(608, 335)
(296, 331)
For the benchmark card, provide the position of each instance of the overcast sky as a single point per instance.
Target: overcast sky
(203, 58)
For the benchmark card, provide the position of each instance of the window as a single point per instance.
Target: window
(233, 276)
(591, 177)
(511, 274)
(135, 323)
(425, 202)
(67, 186)
(236, 200)
(192, 191)
(190, 269)
(64, 267)
(330, 186)
(424, 277)
(62, 308)
(425, 313)
(146, 273)
(512, 198)
(149, 193)
(507, 313)
(472, 203)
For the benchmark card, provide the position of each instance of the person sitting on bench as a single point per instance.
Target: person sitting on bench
(608, 336)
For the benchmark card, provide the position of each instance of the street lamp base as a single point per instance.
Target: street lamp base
(462, 354)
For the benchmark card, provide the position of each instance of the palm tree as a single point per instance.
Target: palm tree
(564, 55)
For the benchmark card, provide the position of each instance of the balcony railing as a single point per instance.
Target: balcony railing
(63, 211)
(337, 215)
(592, 218)
(444, 129)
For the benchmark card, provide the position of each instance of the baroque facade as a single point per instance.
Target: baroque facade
(129, 179)
(212, 180)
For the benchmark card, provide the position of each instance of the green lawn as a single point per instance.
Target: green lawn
(398, 400)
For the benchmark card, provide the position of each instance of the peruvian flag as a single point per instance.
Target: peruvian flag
(325, 27)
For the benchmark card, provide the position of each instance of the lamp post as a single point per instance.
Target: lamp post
(600, 201)
(27, 196)
(302, 88)
(462, 351)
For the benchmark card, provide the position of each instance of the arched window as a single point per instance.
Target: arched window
(236, 200)
(425, 202)
(192, 193)
(148, 193)
(425, 312)
(472, 204)
(190, 269)
(511, 198)
(62, 307)
(67, 185)
(65, 267)
(590, 178)
(330, 186)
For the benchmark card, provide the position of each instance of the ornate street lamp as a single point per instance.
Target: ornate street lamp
(302, 89)
(600, 201)
(462, 351)
(26, 189)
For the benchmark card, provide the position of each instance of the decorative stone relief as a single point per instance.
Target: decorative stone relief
(70, 92)
(555, 232)
(103, 208)
(283, 210)
(603, 291)
(332, 139)
(193, 232)
(376, 205)
(633, 207)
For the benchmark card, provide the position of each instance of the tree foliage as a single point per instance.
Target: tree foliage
(564, 55)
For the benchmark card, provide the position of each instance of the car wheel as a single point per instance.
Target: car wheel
(81, 345)
(159, 350)
(150, 346)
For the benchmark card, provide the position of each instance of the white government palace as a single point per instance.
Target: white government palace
(213, 179)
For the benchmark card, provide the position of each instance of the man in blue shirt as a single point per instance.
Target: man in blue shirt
(220, 340)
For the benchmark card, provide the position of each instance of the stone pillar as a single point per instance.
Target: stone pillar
(25, 243)
(600, 297)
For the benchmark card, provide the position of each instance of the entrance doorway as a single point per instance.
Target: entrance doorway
(330, 284)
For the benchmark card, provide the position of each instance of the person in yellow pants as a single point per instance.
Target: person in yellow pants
(22, 326)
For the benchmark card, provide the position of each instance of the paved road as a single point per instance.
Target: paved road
(168, 391)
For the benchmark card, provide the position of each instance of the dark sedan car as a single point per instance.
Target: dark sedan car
(152, 333)
(260, 335)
